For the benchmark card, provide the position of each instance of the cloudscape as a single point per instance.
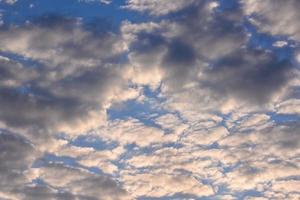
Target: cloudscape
(149, 99)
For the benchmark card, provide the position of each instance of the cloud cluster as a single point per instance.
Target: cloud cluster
(80, 183)
(17, 155)
(101, 1)
(217, 118)
(70, 74)
(157, 7)
(204, 52)
(10, 2)
(57, 77)
(275, 17)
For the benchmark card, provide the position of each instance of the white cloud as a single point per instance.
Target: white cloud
(134, 132)
(157, 7)
(216, 95)
(101, 1)
(160, 185)
(275, 16)
(291, 106)
(10, 2)
(81, 183)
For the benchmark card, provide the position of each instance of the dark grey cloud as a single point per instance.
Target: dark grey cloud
(17, 155)
(42, 192)
(209, 49)
(73, 73)
(276, 17)
(285, 136)
(81, 184)
(249, 75)
(69, 74)
(59, 182)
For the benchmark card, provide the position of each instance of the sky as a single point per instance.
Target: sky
(149, 99)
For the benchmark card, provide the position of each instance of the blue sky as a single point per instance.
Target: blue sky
(149, 99)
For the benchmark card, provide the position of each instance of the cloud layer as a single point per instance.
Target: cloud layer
(195, 100)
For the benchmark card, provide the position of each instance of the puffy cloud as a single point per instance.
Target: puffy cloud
(10, 2)
(262, 157)
(274, 16)
(58, 76)
(80, 183)
(290, 106)
(287, 186)
(101, 1)
(250, 75)
(89, 157)
(14, 74)
(195, 136)
(132, 131)
(35, 192)
(16, 157)
(160, 185)
(213, 133)
(157, 7)
(67, 58)
(203, 55)
(256, 122)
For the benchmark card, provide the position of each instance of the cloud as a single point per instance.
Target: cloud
(160, 185)
(250, 75)
(132, 131)
(35, 192)
(262, 156)
(290, 106)
(77, 184)
(89, 157)
(17, 155)
(157, 7)
(58, 76)
(206, 51)
(218, 130)
(81, 183)
(275, 17)
(101, 1)
(10, 2)
(66, 59)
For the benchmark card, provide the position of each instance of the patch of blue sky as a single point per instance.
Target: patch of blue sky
(223, 190)
(229, 168)
(39, 182)
(134, 150)
(50, 158)
(228, 5)
(296, 92)
(214, 145)
(248, 193)
(265, 41)
(23, 11)
(27, 62)
(93, 142)
(23, 90)
(176, 145)
(134, 109)
(145, 111)
(296, 178)
(224, 117)
(284, 118)
(65, 160)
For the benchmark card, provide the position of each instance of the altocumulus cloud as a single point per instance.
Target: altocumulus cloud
(176, 100)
